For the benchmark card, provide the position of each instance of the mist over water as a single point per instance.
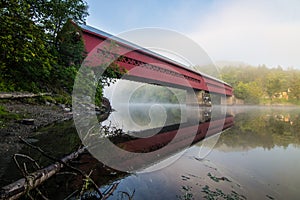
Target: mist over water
(125, 91)
(141, 116)
(139, 106)
(259, 156)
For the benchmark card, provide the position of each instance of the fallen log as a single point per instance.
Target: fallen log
(19, 95)
(33, 180)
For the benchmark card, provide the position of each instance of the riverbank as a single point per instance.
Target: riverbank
(22, 119)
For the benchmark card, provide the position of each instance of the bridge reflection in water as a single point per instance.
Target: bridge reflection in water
(263, 142)
(141, 148)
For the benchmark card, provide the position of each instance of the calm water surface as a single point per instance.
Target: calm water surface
(258, 158)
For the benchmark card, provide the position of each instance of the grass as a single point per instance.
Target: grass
(6, 116)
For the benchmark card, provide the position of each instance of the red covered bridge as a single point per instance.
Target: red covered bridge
(146, 66)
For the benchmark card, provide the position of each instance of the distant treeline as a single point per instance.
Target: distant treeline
(262, 85)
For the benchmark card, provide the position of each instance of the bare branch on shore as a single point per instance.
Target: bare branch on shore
(33, 180)
(18, 95)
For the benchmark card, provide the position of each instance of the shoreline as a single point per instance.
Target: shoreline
(41, 114)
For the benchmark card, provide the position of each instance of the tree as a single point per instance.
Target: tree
(295, 85)
(249, 92)
(55, 14)
(273, 84)
(254, 83)
(24, 52)
(31, 51)
(240, 91)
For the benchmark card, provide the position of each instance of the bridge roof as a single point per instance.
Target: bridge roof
(102, 34)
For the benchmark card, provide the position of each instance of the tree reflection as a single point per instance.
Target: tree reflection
(264, 128)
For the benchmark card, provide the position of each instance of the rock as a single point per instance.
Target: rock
(67, 109)
(63, 106)
(31, 140)
(27, 121)
(87, 99)
(106, 104)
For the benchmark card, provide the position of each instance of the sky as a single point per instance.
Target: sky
(254, 32)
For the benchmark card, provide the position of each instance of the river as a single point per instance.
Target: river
(257, 158)
(251, 153)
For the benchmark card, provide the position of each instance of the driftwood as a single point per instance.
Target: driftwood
(19, 95)
(32, 180)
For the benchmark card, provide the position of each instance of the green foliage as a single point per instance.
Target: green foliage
(250, 92)
(42, 49)
(6, 116)
(294, 83)
(261, 85)
(90, 81)
(273, 84)
(38, 51)
(71, 45)
(108, 71)
(24, 52)
(109, 76)
(55, 13)
(98, 95)
(2, 110)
